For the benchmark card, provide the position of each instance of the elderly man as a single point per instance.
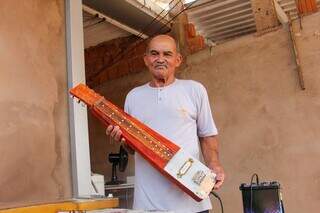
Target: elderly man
(179, 110)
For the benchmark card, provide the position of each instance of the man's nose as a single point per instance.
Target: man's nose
(161, 58)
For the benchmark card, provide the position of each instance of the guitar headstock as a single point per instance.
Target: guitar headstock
(85, 94)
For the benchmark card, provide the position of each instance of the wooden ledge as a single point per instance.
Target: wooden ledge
(70, 205)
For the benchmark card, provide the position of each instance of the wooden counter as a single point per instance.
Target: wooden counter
(69, 205)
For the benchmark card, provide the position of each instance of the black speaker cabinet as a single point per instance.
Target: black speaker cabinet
(262, 198)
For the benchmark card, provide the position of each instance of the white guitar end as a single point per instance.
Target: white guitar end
(190, 172)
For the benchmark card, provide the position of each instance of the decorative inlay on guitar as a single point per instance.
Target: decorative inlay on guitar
(184, 170)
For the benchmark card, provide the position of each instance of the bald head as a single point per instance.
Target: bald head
(162, 38)
(162, 59)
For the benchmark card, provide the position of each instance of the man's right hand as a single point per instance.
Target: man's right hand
(115, 132)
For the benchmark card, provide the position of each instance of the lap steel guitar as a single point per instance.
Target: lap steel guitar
(188, 173)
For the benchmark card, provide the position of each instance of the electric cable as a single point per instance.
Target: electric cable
(220, 201)
(143, 31)
(251, 189)
(169, 21)
(155, 19)
(175, 16)
(282, 206)
(145, 28)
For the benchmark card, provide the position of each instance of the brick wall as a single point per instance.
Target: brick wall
(195, 42)
(122, 56)
(113, 59)
(265, 15)
(307, 6)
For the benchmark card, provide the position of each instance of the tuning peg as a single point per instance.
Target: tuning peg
(83, 104)
(79, 101)
(72, 96)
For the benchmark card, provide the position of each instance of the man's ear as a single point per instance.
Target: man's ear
(179, 59)
(145, 59)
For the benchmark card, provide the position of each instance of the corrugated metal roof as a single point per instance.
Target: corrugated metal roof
(216, 20)
(222, 19)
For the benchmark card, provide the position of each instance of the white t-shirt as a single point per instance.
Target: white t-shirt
(180, 112)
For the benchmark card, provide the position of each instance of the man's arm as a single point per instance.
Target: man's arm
(210, 150)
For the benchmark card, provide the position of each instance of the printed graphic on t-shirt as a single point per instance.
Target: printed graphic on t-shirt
(183, 112)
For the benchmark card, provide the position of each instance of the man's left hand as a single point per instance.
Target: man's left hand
(219, 171)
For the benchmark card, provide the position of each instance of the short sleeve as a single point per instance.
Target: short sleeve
(127, 104)
(205, 123)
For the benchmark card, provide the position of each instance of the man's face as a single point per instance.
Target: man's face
(162, 58)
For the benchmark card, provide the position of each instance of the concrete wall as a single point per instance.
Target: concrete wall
(34, 138)
(267, 124)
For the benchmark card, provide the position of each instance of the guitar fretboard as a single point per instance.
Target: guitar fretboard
(140, 134)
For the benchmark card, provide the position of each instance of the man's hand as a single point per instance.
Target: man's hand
(115, 132)
(209, 146)
(218, 170)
